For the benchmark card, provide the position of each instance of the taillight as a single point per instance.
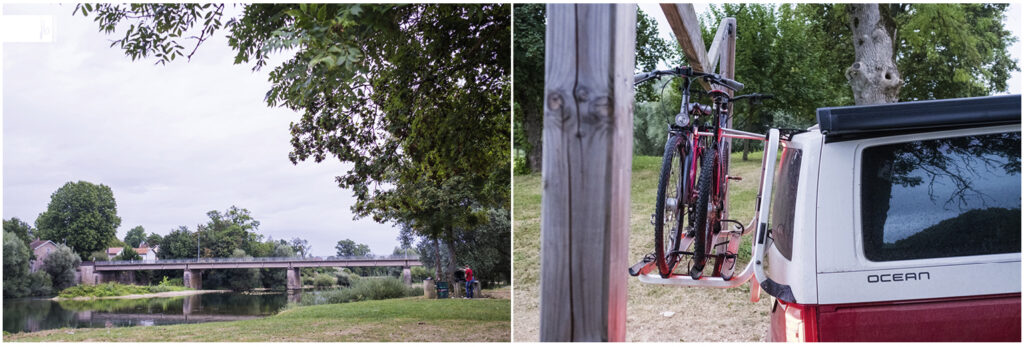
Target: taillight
(801, 323)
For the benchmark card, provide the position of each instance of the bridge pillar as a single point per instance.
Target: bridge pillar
(88, 273)
(193, 279)
(191, 303)
(407, 276)
(127, 277)
(294, 279)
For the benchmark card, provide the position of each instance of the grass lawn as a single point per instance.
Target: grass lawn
(406, 319)
(700, 314)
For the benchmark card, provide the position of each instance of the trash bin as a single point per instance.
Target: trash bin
(442, 290)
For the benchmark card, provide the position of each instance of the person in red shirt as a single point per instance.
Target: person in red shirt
(469, 282)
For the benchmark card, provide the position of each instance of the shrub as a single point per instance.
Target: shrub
(324, 281)
(39, 284)
(364, 289)
(519, 166)
(307, 280)
(61, 265)
(99, 256)
(114, 289)
(420, 273)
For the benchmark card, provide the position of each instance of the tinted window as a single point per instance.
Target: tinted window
(784, 201)
(942, 198)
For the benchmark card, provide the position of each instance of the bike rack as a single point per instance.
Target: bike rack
(754, 269)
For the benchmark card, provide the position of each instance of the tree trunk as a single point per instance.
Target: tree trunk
(533, 126)
(437, 262)
(746, 149)
(873, 75)
(451, 257)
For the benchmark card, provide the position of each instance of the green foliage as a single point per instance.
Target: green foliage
(154, 240)
(117, 289)
(135, 237)
(24, 231)
(99, 256)
(128, 253)
(415, 97)
(420, 273)
(486, 250)
(81, 215)
(530, 28)
(61, 265)
(941, 50)
(39, 284)
(349, 248)
(178, 244)
(365, 289)
(16, 267)
(300, 247)
(324, 281)
(799, 53)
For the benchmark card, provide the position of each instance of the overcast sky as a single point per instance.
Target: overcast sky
(172, 142)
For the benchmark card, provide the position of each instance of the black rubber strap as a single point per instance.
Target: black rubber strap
(781, 291)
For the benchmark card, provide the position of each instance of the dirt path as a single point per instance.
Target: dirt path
(151, 295)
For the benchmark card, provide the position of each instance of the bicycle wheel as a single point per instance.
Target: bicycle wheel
(701, 236)
(668, 208)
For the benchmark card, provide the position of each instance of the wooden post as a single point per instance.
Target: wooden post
(587, 161)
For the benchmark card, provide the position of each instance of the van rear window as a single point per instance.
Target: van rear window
(941, 198)
(784, 201)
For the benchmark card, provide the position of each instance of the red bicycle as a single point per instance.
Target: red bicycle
(692, 187)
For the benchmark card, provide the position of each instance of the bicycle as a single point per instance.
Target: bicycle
(695, 190)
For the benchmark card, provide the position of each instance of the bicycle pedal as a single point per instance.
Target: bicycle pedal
(734, 178)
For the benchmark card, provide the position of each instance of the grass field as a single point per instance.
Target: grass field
(406, 319)
(700, 314)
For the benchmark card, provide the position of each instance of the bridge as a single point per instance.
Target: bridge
(124, 270)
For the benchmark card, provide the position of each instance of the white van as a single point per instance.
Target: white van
(896, 222)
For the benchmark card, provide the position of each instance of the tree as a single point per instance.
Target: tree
(178, 244)
(349, 248)
(16, 267)
(24, 231)
(529, 76)
(61, 265)
(81, 215)
(873, 75)
(128, 253)
(154, 239)
(940, 50)
(277, 279)
(135, 237)
(301, 247)
(414, 97)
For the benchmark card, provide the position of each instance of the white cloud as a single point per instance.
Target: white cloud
(173, 142)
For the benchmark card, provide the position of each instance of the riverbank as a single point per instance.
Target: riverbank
(143, 296)
(393, 320)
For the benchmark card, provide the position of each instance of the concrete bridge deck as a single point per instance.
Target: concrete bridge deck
(254, 263)
(106, 271)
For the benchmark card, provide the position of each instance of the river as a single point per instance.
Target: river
(42, 314)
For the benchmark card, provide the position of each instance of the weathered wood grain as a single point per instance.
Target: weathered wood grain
(683, 20)
(588, 124)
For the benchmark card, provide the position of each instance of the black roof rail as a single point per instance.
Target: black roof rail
(853, 122)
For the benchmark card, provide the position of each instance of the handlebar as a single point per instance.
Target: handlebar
(686, 71)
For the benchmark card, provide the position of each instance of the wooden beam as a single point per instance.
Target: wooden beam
(683, 20)
(714, 52)
(587, 156)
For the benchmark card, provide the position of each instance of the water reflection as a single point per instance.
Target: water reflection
(34, 315)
